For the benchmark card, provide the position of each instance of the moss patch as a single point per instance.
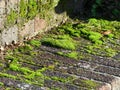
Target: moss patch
(35, 43)
(89, 84)
(72, 54)
(64, 42)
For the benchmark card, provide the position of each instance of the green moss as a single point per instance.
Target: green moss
(100, 50)
(23, 9)
(11, 18)
(72, 54)
(95, 37)
(27, 73)
(60, 42)
(90, 84)
(68, 29)
(14, 67)
(35, 43)
(110, 35)
(32, 9)
(110, 52)
(25, 48)
(9, 57)
(1, 65)
(1, 84)
(94, 22)
(92, 36)
(61, 79)
(7, 75)
(28, 10)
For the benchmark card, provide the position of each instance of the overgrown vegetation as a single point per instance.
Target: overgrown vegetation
(76, 40)
(99, 32)
(24, 54)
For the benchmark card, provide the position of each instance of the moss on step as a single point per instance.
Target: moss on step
(63, 80)
(64, 42)
(72, 54)
(7, 75)
(89, 84)
(25, 48)
(35, 43)
(1, 84)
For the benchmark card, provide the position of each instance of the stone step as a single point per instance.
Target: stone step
(61, 86)
(108, 70)
(21, 85)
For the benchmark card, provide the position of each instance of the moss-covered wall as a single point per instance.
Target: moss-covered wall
(23, 19)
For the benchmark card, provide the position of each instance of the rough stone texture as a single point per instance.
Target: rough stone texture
(9, 36)
(2, 7)
(57, 19)
(2, 18)
(116, 84)
(27, 31)
(105, 87)
(11, 5)
(103, 70)
(40, 24)
(2, 3)
(0, 40)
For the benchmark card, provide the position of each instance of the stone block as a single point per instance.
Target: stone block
(2, 7)
(0, 39)
(56, 19)
(40, 24)
(2, 20)
(106, 86)
(11, 5)
(2, 11)
(2, 3)
(27, 31)
(116, 84)
(9, 36)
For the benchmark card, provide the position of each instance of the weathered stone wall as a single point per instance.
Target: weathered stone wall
(17, 32)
